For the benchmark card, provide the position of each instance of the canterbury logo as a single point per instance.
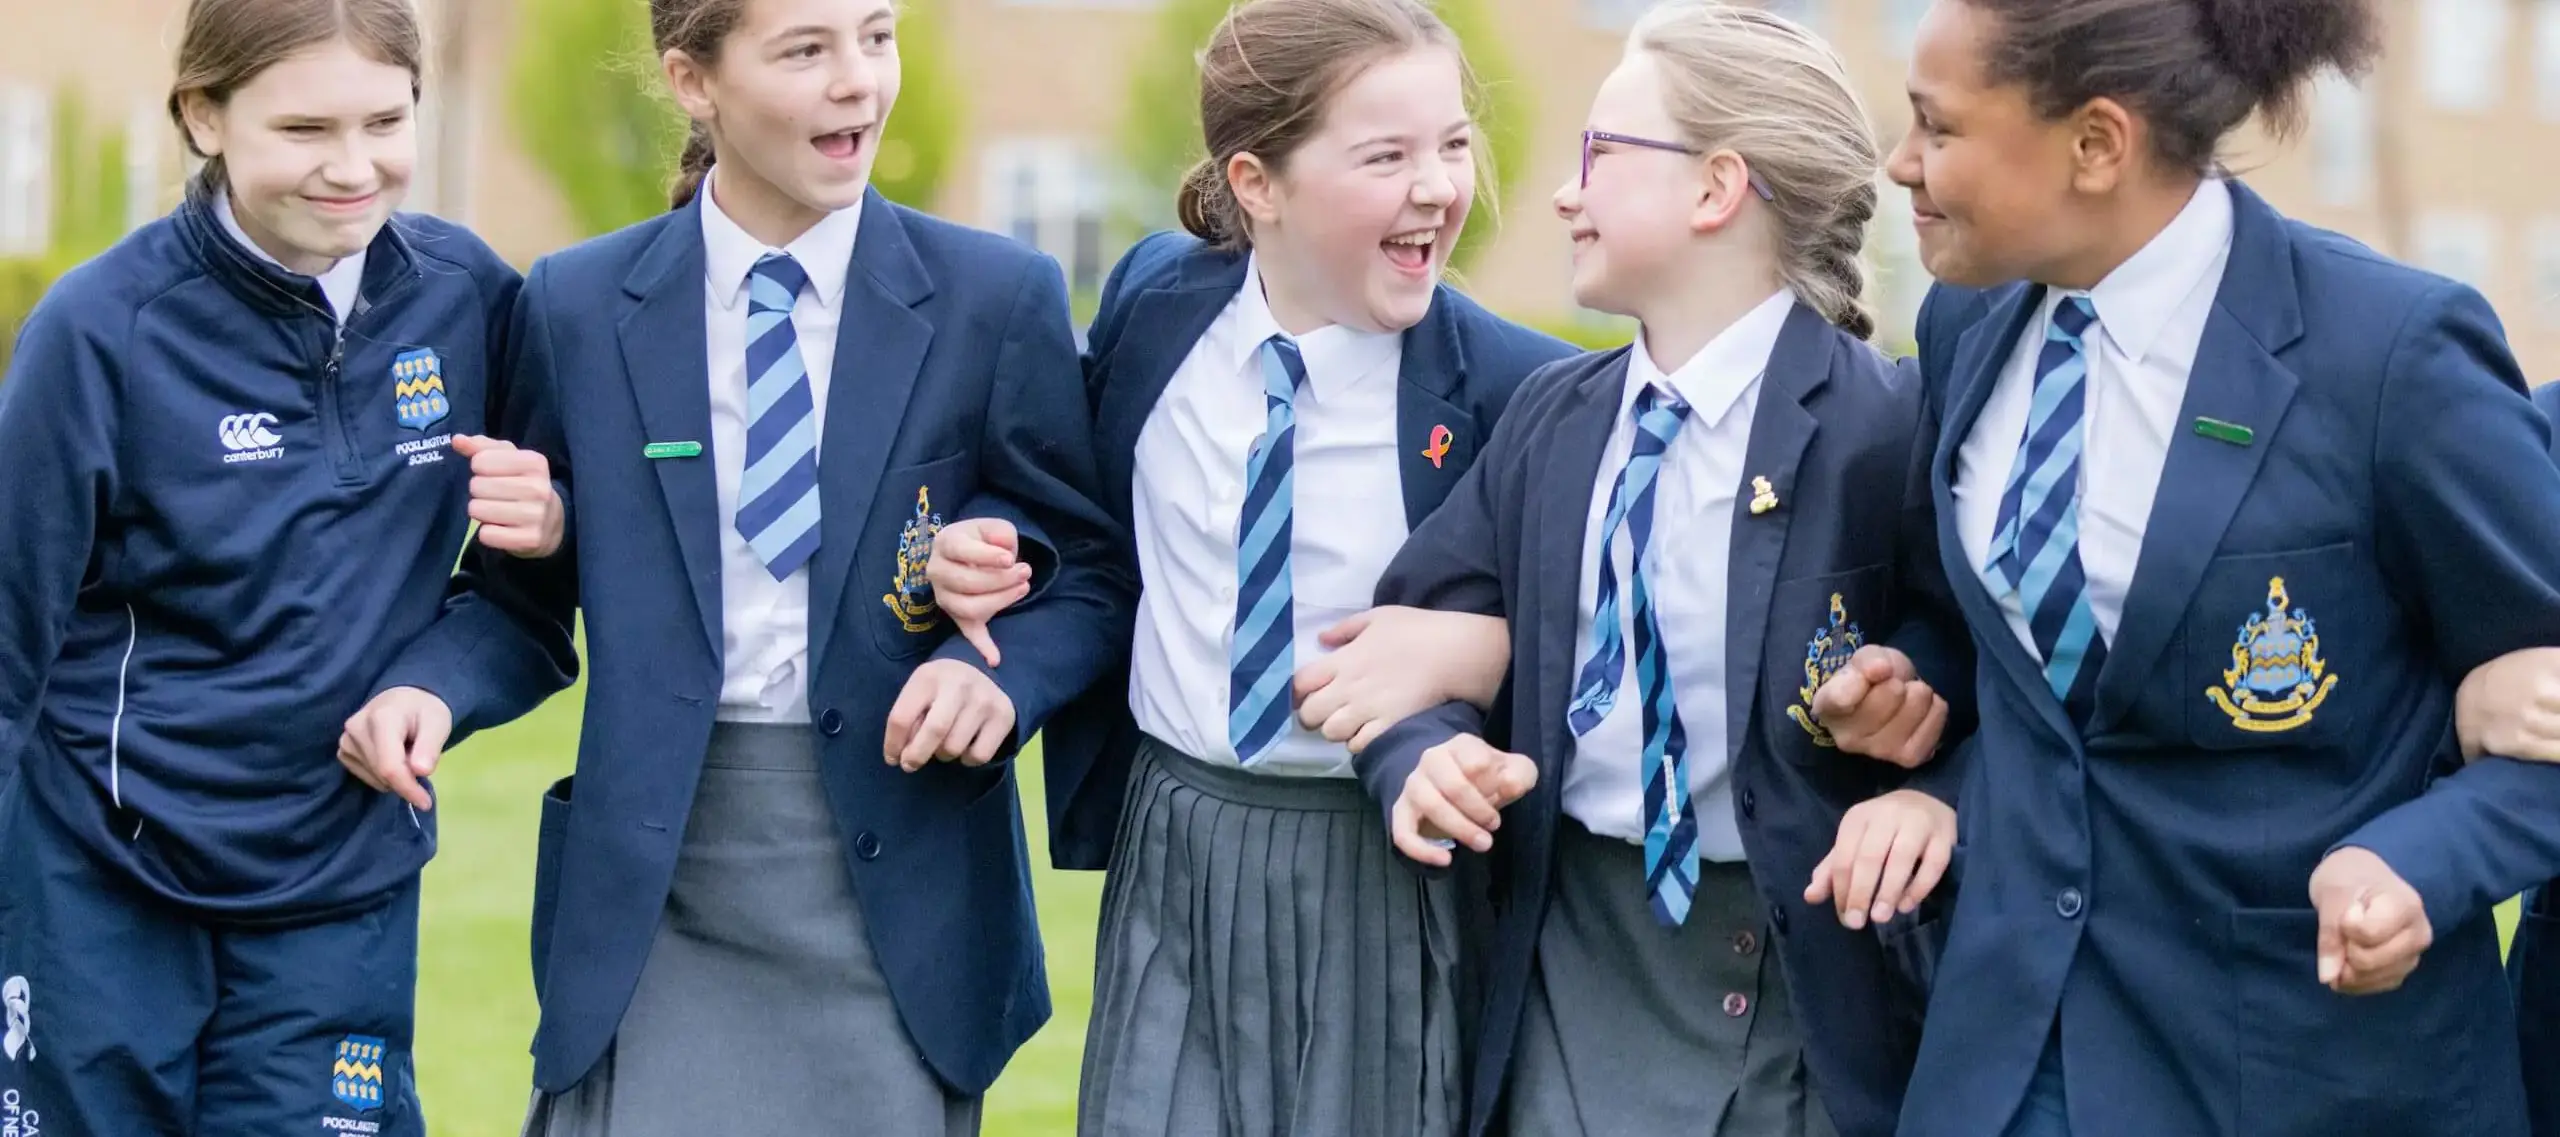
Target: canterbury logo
(247, 438)
(249, 432)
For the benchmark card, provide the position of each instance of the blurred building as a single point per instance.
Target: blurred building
(2442, 158)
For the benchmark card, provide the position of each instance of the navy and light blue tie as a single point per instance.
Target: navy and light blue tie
(1671, 830)
(1260, 659)
(778, 497)
(2035, 551)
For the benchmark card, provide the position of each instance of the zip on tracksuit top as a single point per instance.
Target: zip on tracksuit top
(223, 517)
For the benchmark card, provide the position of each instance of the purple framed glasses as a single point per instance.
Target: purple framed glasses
(1591, 136)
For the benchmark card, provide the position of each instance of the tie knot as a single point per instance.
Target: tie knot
(2074, 315)
(1660, 413)
(781, 279)
(1283, 370)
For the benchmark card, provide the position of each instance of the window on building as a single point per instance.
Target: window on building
(1903, 19)
(2460, 245)
(2341, 141)
(1806, 12)
(2546, 58)
(2462, 52)
(1055, 195)
(26, 170)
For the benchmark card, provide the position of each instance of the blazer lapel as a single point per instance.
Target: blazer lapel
(664, 354)
(880, 349)
(2238, 380)
(1436, 437)
(1981, 355)
(1561, 501)
(1781, 427)
(1164, 324)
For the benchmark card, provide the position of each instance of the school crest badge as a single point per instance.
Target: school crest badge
(1824, 655)
(356, 1077)
(417, 389)
(2276, 679)
(910, 594)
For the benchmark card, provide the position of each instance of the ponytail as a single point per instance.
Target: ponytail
(1207, 206)
(1825, 268)
(691, 167)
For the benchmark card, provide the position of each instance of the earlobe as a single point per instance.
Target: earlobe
(1722, 183)
(2103, 145)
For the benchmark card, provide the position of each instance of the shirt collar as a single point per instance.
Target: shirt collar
(2136, 302)
(1712, 382)
(825, 251)
(1333, 354)
(340, 283)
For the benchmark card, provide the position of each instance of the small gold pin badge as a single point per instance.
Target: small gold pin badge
(1763, 498)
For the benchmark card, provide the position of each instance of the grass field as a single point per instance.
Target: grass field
(475, 991)
(475, 986)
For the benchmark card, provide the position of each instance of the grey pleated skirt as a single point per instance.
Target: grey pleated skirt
(1267, 966)
(761, 1009)
(1634, 1028)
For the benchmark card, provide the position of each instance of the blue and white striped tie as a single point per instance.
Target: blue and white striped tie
(2035, 551)
(778, 497)
(1261, 657)
(1670, 828)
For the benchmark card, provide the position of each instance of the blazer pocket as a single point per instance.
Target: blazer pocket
(1815, 624)
(2258, 671)
(910, 507)
(2315, 1063)
(548, 844)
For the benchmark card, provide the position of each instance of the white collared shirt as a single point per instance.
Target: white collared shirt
(764, 623)
(2151, 315)
(1347, 521)
(1689, 560)
(339, 284)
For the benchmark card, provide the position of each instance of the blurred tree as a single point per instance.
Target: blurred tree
(89, 182)
(585, 96)
(1160, 133)
(926, 123)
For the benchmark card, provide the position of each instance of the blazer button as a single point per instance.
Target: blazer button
(1744, 943)
(1778, 918)
(831, 723)
(1736, 1006)
(866, 845)
(1750, 804)
(2069, 903)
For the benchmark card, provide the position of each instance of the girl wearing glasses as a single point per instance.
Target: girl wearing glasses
(1280, 394)
(1718, 553)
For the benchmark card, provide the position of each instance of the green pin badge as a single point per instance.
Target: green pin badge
(2221, 431)
(672, 450)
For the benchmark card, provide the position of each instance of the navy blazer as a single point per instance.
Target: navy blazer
(1460, 366)
(1848, 554)
(2389, 514)
(955, 376)
(2535, 957)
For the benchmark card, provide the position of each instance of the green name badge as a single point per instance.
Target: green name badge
(672, 450)
(2221, 431)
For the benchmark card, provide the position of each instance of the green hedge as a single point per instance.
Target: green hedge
(22, 281)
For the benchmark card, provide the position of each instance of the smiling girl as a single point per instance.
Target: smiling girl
(222, 534)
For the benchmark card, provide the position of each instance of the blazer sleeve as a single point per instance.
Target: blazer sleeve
(1933, 632)
(58, 426)
(1037, 460)
(1452, 562)
(2468, 528)
(506, 639)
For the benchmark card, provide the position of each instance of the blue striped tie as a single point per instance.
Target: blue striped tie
(2035, 551)
(1670, 830)
(778, 497)
(1260, 659)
